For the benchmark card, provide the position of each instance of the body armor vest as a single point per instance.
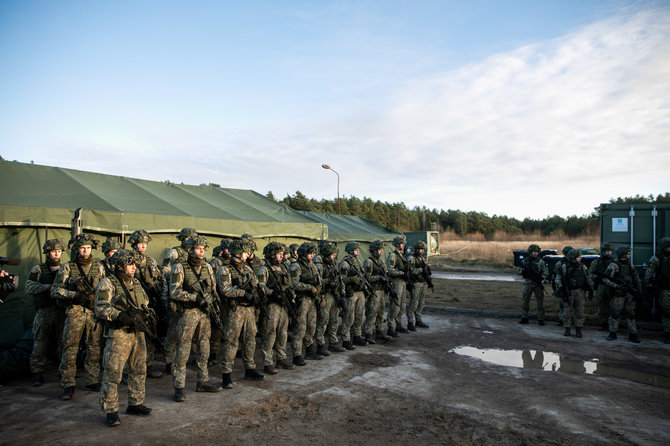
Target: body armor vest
(663, 273)
(354, 265)
(190, 279)
(47, 276)
(378, 269)
(626, 273)
(309, 275)
(576, 276)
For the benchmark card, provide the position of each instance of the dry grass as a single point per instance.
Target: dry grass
(477, 250)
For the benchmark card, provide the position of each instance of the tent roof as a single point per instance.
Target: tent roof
(351, 227)
(34, 195)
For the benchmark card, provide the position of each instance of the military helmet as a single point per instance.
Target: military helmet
(375, 246)
(606, 247)
(82, 240)
(306, 248)
(621, 251)
(185, 233)
(566, 250)
(272, 248)
(122, 258)
(139, 236)
(216, 250)
(197, 240)
(350, 246)
(328, 248)
(111, 244)
(420, 245)
(237, 247)
(573, 254)
(534, 247)
(397, 241)
(664, 243)
(53, 245)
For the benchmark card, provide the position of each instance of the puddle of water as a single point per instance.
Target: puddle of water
(477, 276)
(553, 362)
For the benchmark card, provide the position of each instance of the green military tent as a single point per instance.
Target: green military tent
(39, 202)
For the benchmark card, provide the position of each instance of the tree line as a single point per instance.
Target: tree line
(398, 217)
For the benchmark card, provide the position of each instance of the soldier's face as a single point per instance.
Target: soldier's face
(419, 252)
(199, 251)
(142, 247)
(379, 252)
(608, 253)
(130, 269)
(310, 256)
(55, 254)
(356, 252)
(84, 250)
(535, 253)
(244, 255)
(333, 256)
(279, 257)
(401, 247)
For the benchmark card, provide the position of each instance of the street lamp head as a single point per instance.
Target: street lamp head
(325, 166)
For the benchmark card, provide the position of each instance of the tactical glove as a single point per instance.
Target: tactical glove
(125, 319)
(201, 301)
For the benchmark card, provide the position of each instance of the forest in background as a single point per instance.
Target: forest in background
(400, 218)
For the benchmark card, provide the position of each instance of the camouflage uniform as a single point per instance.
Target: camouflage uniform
(557, 267)
(530, 286)
(658, 276)
(375, 269)
(417, 266)
(596, 272)
(187, 284)
(328, 312)
(221, 258)
(306, 282)
(354, 313)
(622, 303)
(124, 343)
(49, 317)
(576, 275)
(396, 264)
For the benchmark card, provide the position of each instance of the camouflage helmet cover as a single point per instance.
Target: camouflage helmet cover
(185, 233)
(139, 236)
(606, 247)
(82, 240)
(197, 240)
(350, 246)
(420, 245)
(237, 247)
(534, 247)
(573, 254)
(401, 239)
(111, 244)
(621, 251)
(306, 248)
(122, 258)
(376, 246)
(328, 248)
(53, 245)
(566, 250)
(272, 249)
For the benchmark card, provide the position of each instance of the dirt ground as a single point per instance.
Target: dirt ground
(418, 389)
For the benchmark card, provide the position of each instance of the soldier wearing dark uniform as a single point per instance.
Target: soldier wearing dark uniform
(535, 273)
(49, 317)
(420, 274)
(109, 247)
(597, 272)
(192, 289)
(74, 287)
(332, 294)
(398, 268)
(116, 298)
(275, 282)
(624, 282)
(306, 283)
(351, 270)
(657, 277)
(375, 268)
(238, 287)
(552, 279)
(575, 276)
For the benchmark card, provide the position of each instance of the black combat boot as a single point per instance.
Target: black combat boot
(140, 410)
(37, 379)
(370, 339)
(153, 373)
(207, 387)
(567, 331)
(400, 329)
(579, 332)
(381, 336)
(422, 324)
(270, 369)
(322, 350)
(227, 381)
(92, 387)
(179, 395)
(113, 419)
(311, 353)
(358, 340)
(410, 326)
(67, 394)
(348, 345)
(633, 337)
(612, 336)
(285, 364)
(253, 375)
(299, 360)
(391, 332)
(335, 347)
(524, 320)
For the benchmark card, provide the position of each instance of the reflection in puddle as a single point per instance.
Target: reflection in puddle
(553, 362)
(478, 276)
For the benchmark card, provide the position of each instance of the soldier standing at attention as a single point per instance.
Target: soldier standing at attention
(154, 285)
(177, 254)
(624, 282)
(351, 270)
(398, 268)
(306, 283)
(115, 299)
(420, 279)
(557, 267)
(49, 317)
(575, 275)
(74, 286)
(535, 272)
(328, 311)
(237, 285)
(192, 289)
(375, 269)
(220, 257)
(109, 247)
(597, 272)
(657, 278)
(275, 282)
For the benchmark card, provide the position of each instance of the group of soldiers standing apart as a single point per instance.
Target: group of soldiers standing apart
(614, 280)
(126, 306)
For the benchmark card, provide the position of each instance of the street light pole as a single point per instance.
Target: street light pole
(326, 166)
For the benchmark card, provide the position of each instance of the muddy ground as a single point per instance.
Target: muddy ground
(415, 390)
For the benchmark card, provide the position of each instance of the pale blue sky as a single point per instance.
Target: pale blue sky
(512, 108)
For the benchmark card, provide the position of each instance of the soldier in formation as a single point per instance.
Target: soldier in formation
(624, 283)
(306, 283)
(597, 273)
(420, 275)
(398, 268)
(375, 268)
(332, 294)
(572, 280)
(357, 287)
(535, 274)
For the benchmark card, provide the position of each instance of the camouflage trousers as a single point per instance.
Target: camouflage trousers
(304, 326)
(276, 333)
(603, 296)
(240, 321)
(664, 302)
(574, 310)
(622, 306)
(415, 306)
(530, 288)
(374, 312)
(193, 322)
(122, 346)
(353, 317)
(171, 337)
(47, 327)
(396, 304)
(79, 322)
(326, 320)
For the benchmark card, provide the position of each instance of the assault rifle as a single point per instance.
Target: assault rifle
(213, 309)
(85, 291)
(427, 273)
(408, 277)
(528, 273)
(564, 290)
(632, 290)
(144, 320)
(282, 294)
(388, 283)
(367, 287)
